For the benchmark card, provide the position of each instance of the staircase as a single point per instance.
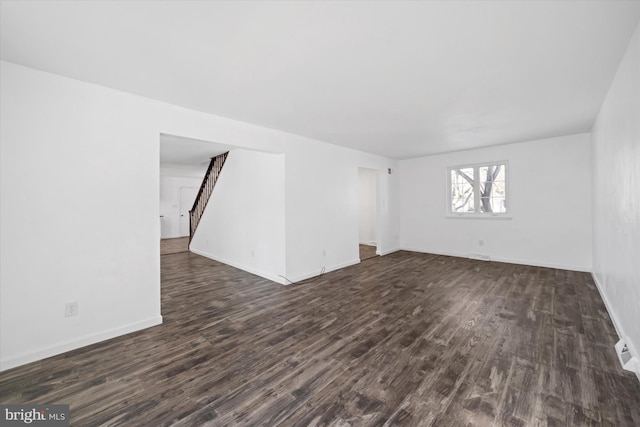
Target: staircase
(209, 181)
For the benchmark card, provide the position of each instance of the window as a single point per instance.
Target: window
(478, 190)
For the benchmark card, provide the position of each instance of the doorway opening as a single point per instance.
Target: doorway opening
(367, 212)
(171, 243)
(183, 164)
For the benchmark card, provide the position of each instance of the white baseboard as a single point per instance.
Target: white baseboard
(428, 251)
(607, 305)
(387, 251)
(502, 259)
(279, 279)
(264, 274)
(616, 324)
(543, 264)
(300, 277)
(43, 353)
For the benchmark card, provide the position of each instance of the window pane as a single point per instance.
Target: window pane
(493, 197)
(462, 199)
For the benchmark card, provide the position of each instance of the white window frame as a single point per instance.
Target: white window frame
(476, 192)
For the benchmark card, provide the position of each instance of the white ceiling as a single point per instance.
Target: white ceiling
(401, 79)
(180, 151)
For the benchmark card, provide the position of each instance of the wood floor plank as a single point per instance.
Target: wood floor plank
(406, 339)
(174, 246)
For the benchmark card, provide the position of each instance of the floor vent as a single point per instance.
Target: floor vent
(628, 362)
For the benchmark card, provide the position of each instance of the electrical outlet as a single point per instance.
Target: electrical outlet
(480, 242)
(324, 252)
(71, 309)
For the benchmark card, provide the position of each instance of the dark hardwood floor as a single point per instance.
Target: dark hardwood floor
(405, 339)
(367, 252)
(174, 246)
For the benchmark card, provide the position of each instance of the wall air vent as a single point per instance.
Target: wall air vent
(627, 360)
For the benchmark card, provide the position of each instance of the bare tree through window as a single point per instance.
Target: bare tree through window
(462, 190)
(478, 189)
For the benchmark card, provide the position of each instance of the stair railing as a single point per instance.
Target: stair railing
(208, 183)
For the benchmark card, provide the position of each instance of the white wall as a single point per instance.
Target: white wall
(616, 198)
(172, 180)
(549, 198)
(367, 205)
(322, 208)
(79, 215)
(244, 224)
(80, 207)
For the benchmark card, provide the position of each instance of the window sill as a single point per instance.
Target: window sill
(479, 216)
